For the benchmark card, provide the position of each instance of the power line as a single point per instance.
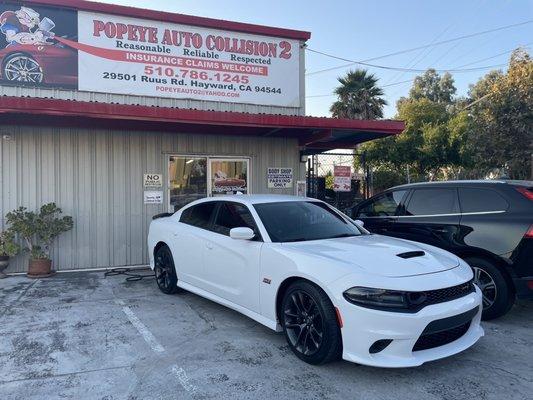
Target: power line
(384, 86)
(411, 80)
(400, 68)
(365, 62)
(495, 56)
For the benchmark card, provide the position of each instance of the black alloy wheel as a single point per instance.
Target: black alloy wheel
(310, 324)
(303, 323)
(165, 272)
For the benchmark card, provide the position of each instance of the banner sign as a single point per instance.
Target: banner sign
(114, 54)
(279, 178)
(342, 181)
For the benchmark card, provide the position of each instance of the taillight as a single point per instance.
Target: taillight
(529, 233)
(526, 192)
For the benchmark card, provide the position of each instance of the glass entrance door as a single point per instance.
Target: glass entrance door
(195, 177)
(187, 180)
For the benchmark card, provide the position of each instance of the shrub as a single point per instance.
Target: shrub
(38, 230)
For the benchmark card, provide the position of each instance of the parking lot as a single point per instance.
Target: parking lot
(81, 335)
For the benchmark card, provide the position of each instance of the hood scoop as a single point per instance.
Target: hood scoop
(411, 254)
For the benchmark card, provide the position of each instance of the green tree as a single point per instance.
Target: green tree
(434, 87)
(502, 118)
(432, 144)
(359, 97)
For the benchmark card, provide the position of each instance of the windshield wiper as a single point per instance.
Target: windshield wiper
(296, 240)
(343, 235)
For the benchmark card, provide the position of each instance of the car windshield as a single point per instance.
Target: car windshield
(297, 221)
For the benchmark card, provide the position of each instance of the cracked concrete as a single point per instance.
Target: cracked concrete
(66, 337)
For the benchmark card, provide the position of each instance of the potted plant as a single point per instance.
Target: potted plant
(38, 231)
(8, 248)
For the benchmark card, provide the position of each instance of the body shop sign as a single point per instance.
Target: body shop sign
(279, 178)
(115, 54)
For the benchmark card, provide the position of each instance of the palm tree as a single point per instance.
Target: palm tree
(359, 97)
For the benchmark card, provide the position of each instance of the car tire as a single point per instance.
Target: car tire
(165, 271)
(310, 323)
(22, 64)
(498, 295)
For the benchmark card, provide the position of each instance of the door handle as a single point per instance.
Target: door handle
(209, 246)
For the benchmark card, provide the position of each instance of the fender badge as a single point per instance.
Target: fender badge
(266, 280)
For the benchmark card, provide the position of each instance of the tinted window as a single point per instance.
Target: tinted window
(198, 215)
(432, 202)
(295, 221)
(233, 215)
(383, 206)
(479, 200)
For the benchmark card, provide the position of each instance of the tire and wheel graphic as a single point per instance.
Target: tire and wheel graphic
(22, 68)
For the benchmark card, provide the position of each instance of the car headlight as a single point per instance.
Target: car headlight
(383, 298)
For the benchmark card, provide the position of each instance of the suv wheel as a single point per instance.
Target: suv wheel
(498, 296)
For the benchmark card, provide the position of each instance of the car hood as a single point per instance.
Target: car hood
(378, 255)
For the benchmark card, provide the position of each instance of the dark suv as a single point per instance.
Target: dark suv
(487, 223)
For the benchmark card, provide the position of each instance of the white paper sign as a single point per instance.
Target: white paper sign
(152, 180)
(125, 55)
(279, 178)
(301, 188)
(153, 197)
(342, 178)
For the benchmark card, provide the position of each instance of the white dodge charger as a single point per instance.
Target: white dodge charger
(299, 266)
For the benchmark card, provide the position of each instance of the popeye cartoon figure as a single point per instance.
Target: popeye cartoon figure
(24, 26)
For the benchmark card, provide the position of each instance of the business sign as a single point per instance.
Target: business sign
(152, 180)
(115, 54)
(279, 178)
(342, 178)
(153, 197)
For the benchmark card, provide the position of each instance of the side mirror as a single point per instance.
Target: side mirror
(241, 233)
(359, 222)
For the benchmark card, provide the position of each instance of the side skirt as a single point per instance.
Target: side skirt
(250, 314)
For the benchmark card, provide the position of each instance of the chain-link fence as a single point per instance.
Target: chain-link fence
(323, 172)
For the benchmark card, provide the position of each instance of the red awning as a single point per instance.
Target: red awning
(315, 134)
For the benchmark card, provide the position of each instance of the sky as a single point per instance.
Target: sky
(360, 30)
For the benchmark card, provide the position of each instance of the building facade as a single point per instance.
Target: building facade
(117, 114)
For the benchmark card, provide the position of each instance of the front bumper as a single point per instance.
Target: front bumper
(363, 326)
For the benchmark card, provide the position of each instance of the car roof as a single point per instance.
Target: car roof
(251, 199)
(466, 183)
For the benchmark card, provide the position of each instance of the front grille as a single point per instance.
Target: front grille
(419, 300)
(431, 340)
(448, 294)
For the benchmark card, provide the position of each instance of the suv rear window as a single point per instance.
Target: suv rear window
(481, 200)
(432, 202)
(199, 215)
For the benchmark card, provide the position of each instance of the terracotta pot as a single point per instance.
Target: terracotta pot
(39, 268)
(4, 263)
